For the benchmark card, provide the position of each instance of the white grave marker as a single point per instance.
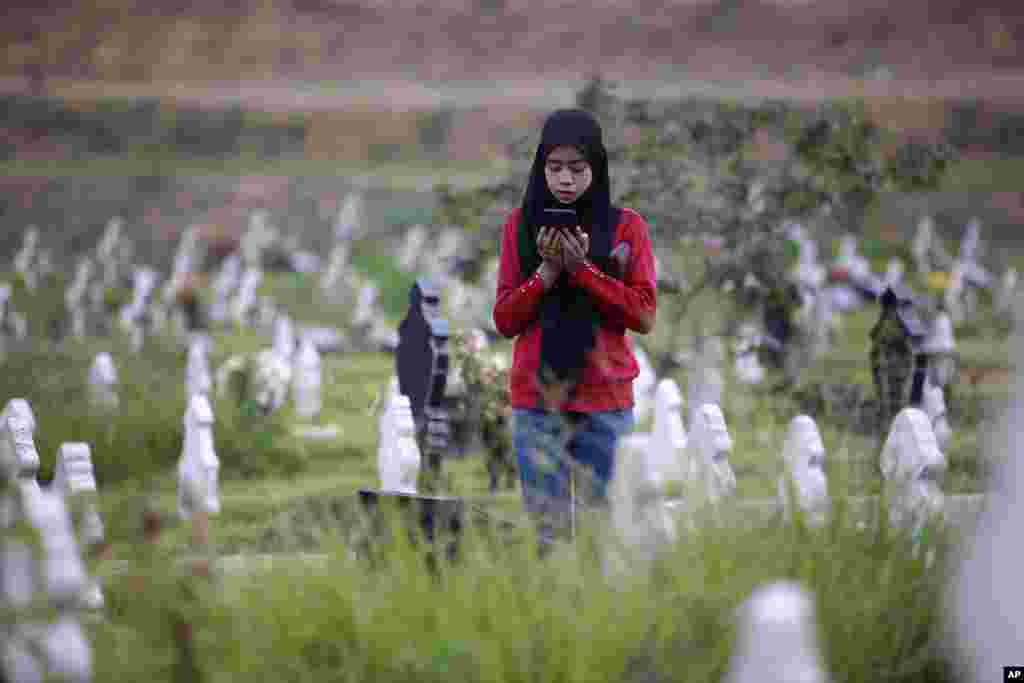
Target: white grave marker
(412, 248)
(306, 381)
(934, 405)
(668, 437)
(803, 457)
(74, 479)
(912, 467)
(777, 638)
(921, 247)
(103, 382)
(643, 385)
(399, 459)
(17, 446)
(709, 445)
(199, 466)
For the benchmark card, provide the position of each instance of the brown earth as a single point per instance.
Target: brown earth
(812, 41)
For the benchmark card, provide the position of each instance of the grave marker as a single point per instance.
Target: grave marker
(776, 640)
(103, 382)
(803, 480)
(912, 468)
(306, 381)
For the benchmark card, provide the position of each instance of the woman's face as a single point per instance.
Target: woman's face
(568, 174)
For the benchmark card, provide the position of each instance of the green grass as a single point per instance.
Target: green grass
(498, 614)
(399, 175)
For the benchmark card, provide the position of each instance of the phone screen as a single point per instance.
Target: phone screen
(563, 219)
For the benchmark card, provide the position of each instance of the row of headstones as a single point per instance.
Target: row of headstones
(911, 463)
(966, 273)
(50, 573)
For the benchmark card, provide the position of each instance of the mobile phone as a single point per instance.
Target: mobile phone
(561, 219)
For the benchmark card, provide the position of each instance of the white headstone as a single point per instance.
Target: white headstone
(257, 238)
(894, 272)
(803, 457)
(643, 385)
(306, 381)
(74, 479)
(953, 297)
(447, 248)
(271, 379)
(706, 383)
(412, 248)
(337, 264)
(246, 297)
(34, 650)
(284, 337)
(199, 466)
(24, 260)
(709, 445)
(399, 459)
(747, 364)
(144, 281)
(921, 247)
(349, 224)
(668, 437)
(106, 251)
(912, 468)
(224, 285)
(639, 516)
(1005, 298)
(197, 370)
(934, 405)
(777, 638)
(17, 447)
(940, 339)
(364, 313)
(103, 382)
(969, 243)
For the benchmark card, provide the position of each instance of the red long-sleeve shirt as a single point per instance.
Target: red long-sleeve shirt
(628, 304)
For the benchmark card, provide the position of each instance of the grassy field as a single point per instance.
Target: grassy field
(499, 614)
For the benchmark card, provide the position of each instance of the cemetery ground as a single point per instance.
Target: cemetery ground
(497, 614)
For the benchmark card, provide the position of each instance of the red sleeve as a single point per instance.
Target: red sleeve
(516, 304)
(630, 302)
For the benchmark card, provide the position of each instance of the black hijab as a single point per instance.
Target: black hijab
(568, 318)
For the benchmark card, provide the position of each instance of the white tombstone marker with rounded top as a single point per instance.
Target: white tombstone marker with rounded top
(912, 468)
(668, 436)
(777, 638)
(803, 471)
(709, 447)
(103, 382)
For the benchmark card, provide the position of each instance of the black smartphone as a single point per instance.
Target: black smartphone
(562, 219)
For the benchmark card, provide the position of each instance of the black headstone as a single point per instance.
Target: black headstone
(414, 355)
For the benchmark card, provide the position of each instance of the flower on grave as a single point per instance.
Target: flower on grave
(839, 274)
(937, 281)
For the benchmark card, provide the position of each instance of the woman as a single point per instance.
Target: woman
(568, 297)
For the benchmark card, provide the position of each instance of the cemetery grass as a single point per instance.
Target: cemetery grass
(499, 614)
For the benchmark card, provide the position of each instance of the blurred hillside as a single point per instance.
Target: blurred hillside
(188, 40)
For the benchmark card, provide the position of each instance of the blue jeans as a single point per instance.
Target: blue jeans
(550, 445)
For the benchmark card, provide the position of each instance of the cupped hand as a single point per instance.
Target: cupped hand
(575, 245)
(550, 247)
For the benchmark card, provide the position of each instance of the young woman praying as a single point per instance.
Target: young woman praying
(567, 292)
